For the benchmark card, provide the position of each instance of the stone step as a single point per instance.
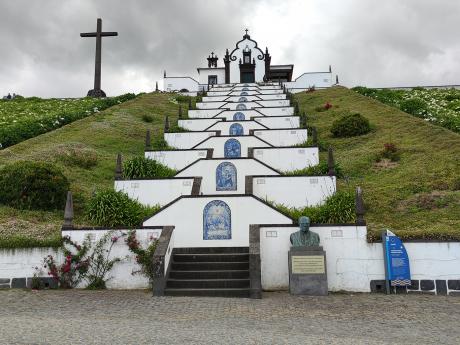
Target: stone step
(211, 250)
(219, 274)
(236, 292)
(209, 266)
(211, 257)
(207, 283)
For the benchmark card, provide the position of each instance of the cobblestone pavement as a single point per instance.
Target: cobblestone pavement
(135, 317)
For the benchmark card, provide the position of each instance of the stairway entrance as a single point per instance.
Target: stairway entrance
(216, 272)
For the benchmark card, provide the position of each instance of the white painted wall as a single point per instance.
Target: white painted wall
(186, 140)
(210, 105)
(197, 124)
(238, 53)
(268, 97)
(280, 111)
(228, 114)
(177, 159)
(203, 74)
(155, 192)
(275, 103)
(179, 83)
(295, 191)
(288, 158)
(352, 262)
(217, 143)
(187, 216)
(279, 121)
(224, 126)
(307, 80)
(207, 169)
(204, 113)
(282, 137)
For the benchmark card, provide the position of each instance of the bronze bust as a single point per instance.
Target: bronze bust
(304, 237)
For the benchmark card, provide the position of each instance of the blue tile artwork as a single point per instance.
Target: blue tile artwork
(236, 129)
(217, 221)
(232, 148)
(242, 99)
(241, 107)
(226, 176)
(244, 89)
(238, 116)
(243, 93)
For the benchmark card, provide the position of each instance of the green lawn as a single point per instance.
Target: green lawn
(117, 129)
(417, 198)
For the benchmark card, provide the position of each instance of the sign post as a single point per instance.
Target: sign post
(397, 269)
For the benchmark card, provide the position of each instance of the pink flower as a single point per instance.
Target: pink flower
(114, 239)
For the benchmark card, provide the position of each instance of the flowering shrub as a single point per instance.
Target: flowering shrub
(25, 118)
(144, 257)
(390, 151)
(84, 262)
(327, 106)
(438, 106)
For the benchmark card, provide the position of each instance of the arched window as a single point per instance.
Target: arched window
(236, 129)
(232, 148)
(243, 99)
(226, 175)
(241, 107)
(238, 116)
(217, 221)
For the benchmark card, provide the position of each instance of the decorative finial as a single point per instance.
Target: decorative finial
(164, 74)
(179, 115)
(359, 207)
(156, 87)
(330, 69)
(190, 103)
(68, 212)
(314, 134)
(166, 128)
(330, 162)
(337, 79)
(246, 31)
(118, 168)
(148, 145)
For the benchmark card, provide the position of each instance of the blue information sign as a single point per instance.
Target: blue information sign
(397, 268)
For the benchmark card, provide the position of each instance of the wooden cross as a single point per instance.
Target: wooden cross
(97, 92)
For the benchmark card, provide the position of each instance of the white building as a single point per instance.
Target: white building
(246, 63)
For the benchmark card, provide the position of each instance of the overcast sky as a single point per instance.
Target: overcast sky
(371, 43)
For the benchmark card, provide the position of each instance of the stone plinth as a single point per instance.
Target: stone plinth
(307, 271)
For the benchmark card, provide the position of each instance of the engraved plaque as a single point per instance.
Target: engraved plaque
(293, 132)
(287, 119)
(187, 183)
(201, 154)
(134, 184)
(301, 150)
(257, 133)
(313, 180)
(260, 181)
(336, 233)
(271, 233)
(259, 152)
(311, 264)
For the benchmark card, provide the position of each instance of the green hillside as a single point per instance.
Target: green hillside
(419, 197)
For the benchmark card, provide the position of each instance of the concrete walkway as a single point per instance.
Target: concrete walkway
(134, 317)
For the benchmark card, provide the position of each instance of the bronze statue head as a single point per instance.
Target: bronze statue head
(304, 224)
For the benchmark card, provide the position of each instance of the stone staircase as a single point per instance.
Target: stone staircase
(213, 272)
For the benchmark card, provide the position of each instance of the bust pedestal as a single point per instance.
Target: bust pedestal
(307, 271)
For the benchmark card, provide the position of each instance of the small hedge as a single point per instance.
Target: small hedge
(338, 208)
(115, 209)
(317, 170)
(33, 186)
(350, 126)
(414, 106)
(144, 168)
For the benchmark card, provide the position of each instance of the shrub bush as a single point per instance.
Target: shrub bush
(350, 126)
(145, 168)
(338, 208)
(390, 152)
(31, 185)
(147, 118)
(115, 209)
(414, 106)
(317, 170)
(182, 98)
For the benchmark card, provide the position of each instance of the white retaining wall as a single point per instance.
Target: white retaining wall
(155, 192)
(187, 216)
(218, 143)
(176, 159)
(352, 262)
(207, 169)
(282, 137)
(294, 191)
(228, 114)
(307, 80)
(279, 121)
(288, 158)
(278, 111)
(203, 113)
(277, 103)
(197, 124)
(224, 126)
(210, 105)
(179, 83)
(186, 140)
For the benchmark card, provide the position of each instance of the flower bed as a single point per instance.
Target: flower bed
(24, 118)
(438, 106)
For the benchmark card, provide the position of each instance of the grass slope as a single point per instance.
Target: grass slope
(117, 129)
(420, 196)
